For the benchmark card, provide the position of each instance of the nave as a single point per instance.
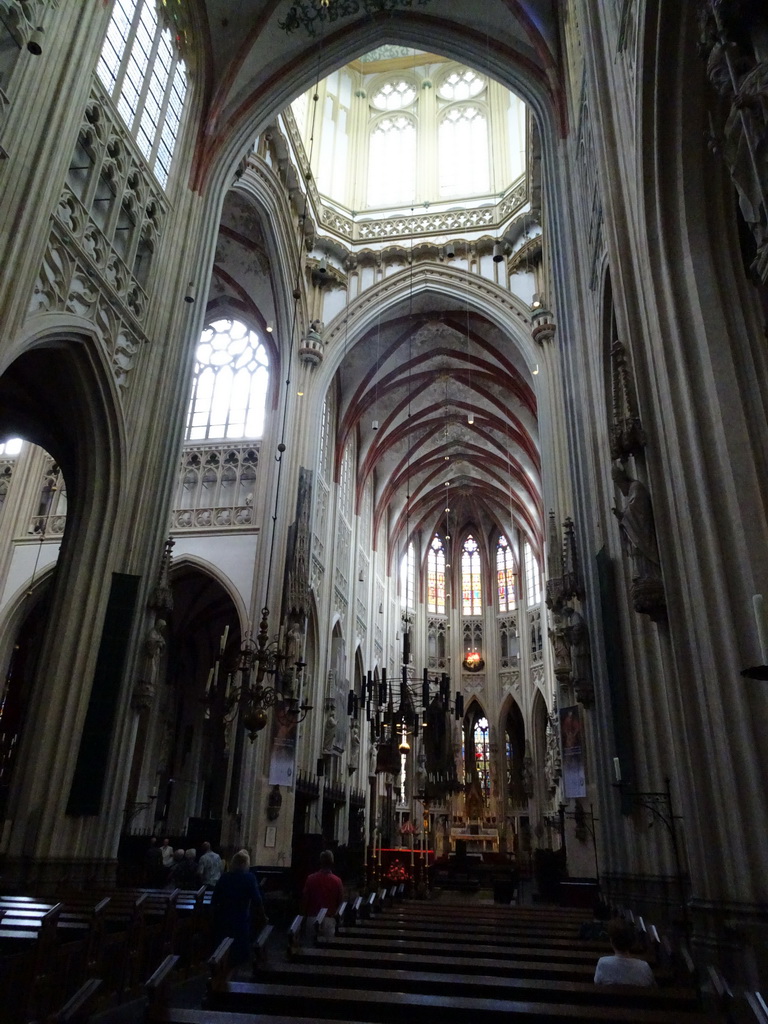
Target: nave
(142, 954)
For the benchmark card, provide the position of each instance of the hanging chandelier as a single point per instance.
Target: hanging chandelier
(250, 699)
(312, 14)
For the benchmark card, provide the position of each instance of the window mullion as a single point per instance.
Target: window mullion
(142, 98)
(130, 41)
(163, 109)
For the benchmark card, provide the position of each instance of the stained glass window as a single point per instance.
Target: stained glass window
(408, 579)
(142, 72)
(482, 758)
(436, 577)
(505, 576)
(532, 577)
(471, 597)
(229, 392)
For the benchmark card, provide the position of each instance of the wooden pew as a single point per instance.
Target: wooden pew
(543, 989)
(493, 951)
(157, 988)
(388, 1006)
(80, 1008)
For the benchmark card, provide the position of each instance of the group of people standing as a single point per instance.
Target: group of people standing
(236, 899)
(181, 869)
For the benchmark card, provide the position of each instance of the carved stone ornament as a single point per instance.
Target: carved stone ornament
(626, 433)
(553, 765)
(143, 695)
(311, 347)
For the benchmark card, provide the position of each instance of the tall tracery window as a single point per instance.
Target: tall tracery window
(392, 161)
(505, 576)
(229, 392)
(482, 756)
(346, 483)
(408, 580)
(326, 448)
(471, 593)
(436, 577)
(143, 73)
(463, 151)
(532, 576)
(462, 137)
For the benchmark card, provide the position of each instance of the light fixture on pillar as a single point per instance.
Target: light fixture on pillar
(498, 252)
(35, 42)
(191, 293)
(270, 326)
(536, 301)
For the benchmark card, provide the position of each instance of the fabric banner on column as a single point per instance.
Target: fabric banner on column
(574, 779)
(282, 763)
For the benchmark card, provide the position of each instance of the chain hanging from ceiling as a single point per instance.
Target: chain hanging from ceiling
(312, 14)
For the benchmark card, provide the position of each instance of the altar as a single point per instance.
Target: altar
(475, 839)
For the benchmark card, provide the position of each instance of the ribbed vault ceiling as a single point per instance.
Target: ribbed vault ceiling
(449, 389)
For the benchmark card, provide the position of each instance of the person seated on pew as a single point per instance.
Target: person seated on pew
(236, 900)
(622, 968)
(323, 889)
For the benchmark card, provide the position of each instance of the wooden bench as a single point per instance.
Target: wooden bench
(386, 1006)
(493, 951)
(543, 989)
(344, 959)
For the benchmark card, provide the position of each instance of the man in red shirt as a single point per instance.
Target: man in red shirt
(323, 889)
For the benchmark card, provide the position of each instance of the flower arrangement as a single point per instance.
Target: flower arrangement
(396, 872)
(473, 661)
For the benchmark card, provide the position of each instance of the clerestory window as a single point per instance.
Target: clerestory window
(408, 580)
(229, 391)
(436, 577)
(471, 593)
(532, 577)
(142, 71)
(392, 161)
(505, 576)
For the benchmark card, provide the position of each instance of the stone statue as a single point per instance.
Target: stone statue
(354, 745)
(329, 728)
(576, 635)
(561, 649)
(372, 758)
(146, 686)
(636, 523)
(638, 535)
(731, 43)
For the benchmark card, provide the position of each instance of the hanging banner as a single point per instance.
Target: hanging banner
(574, 776)
(282, 762)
